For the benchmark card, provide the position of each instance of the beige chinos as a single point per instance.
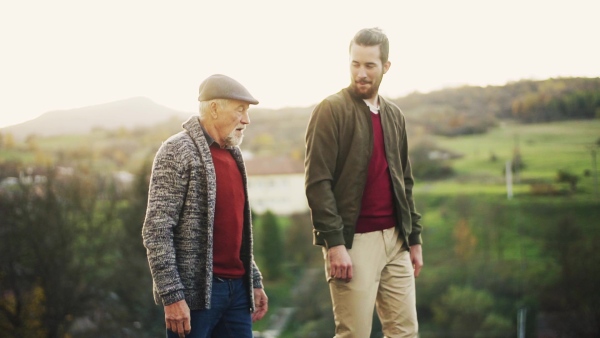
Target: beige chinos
(382, 275)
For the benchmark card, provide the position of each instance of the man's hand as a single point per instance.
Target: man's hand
(177, 317)
(261, 304)
(416, 257)
(340, 264)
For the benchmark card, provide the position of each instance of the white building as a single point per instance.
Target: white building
(276, 184)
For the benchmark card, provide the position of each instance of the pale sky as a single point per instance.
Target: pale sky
(64, 54)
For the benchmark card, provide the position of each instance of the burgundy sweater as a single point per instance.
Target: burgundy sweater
(229, 215)
(377, 209)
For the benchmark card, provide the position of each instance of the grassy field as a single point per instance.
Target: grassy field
(544, 149)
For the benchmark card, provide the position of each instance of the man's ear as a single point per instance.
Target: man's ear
(213, 109)
(386, 66)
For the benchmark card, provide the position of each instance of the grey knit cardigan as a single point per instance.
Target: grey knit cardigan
(178, 228)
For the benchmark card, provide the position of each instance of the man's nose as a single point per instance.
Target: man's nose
(246, 118)
(362, 72)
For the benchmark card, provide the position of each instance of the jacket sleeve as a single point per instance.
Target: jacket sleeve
(409, 182)
(165, 199)
(320, 165)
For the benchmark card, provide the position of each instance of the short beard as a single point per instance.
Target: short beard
(368, 94)
(365, 95)
(232, 140)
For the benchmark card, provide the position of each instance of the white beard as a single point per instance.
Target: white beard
(232, 140)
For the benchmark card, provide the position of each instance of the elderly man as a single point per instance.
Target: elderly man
(198, 230)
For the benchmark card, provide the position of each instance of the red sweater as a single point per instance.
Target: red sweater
(377, 208)
(229, 215)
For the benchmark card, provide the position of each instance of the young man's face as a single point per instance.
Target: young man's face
(366, 70)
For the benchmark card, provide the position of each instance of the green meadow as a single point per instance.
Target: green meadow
(544, 150)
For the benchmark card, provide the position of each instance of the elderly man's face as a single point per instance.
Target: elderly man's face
(231, 121)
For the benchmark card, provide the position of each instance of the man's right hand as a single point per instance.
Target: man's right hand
(340, 264)
(177, 317)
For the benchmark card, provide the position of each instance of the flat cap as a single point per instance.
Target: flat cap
(219, 86)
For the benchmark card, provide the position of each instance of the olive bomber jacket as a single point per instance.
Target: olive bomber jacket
(339, 143)
(178, 228)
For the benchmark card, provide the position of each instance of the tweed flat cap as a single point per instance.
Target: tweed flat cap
(219, 86)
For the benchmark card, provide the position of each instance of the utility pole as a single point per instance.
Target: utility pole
(521, 322)
(517, 158)
(595, 172)
(508, 170)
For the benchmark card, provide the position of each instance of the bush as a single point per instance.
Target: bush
(428, 161)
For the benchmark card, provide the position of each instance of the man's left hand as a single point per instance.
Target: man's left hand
(416, 257)
(261, 304)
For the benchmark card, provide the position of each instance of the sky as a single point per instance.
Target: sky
(62, 54)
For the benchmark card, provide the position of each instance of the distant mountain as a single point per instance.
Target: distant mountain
(128, 113)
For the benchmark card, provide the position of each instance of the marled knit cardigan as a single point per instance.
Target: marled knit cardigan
(178, 228)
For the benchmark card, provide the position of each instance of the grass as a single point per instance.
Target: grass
(15, 155)
(544, 149)
(456, 187)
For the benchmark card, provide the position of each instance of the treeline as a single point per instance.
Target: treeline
(555, 100)
(72, 263)
(470, 109)
(71, 259)
(447, 112)
(487, 260)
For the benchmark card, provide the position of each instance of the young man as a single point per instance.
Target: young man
(359, 189)
(198, 231)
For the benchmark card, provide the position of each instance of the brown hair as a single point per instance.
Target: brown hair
(373, 37)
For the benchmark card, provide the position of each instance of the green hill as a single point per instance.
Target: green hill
(544, 149)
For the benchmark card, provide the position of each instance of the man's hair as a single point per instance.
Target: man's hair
(373, 37)
(205, 105)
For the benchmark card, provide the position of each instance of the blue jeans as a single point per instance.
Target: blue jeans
(229, 315)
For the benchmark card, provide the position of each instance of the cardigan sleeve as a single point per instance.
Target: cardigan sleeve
(165, 200)
(256, 277)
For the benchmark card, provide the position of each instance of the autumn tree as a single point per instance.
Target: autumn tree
(56, 254)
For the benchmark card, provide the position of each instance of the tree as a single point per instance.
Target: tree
(428, 161)
(563, 176)
(272, 246)
(465, 242)
(467, 312)
(139, 316)
(298, 242)
(8, 141)
(56, 251)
